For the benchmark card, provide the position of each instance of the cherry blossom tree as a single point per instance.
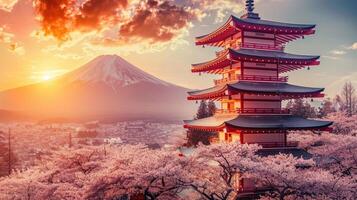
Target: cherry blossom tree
(214, 170)
(343, 124)
(286, 177)
(154, 174)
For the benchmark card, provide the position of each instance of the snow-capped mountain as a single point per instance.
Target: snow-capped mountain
(113, 71)
(106, 87)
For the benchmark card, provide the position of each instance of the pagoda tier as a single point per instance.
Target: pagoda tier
(245, 123)
(251, 89)
(262, 60)
(282, 90)
(283, 32)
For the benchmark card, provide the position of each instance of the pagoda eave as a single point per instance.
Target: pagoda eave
(285, 32)
(216, 37)
(287, 62)
(272, 122)
(252, 124)
(283, 90)
(272, 57)
(204, 128)
(216, 64)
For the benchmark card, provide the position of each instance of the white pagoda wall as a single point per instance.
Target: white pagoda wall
(260, 69)
(259, 38)
(271, 101)
(262, 104)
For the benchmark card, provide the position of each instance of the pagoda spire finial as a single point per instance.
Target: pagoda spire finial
(249, 7)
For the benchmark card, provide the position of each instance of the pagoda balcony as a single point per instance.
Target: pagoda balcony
(253, 111)
(282, 79)
(248, 45)
(226, 80)
(255, 46)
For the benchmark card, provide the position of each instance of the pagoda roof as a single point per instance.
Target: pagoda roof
(277, 26)
(285, 31)
(288, 122)
(271, 54)
(287, 61)
(210, 123)
(269, 88)
(213, 92)
(257, 122)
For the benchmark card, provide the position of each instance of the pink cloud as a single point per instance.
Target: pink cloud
(7, 5)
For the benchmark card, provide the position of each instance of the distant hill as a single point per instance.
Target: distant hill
(107, 87)
(6, 115)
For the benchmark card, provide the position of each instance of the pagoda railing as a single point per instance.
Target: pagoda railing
(253, 111)
(263, 78)
(249, 45)
(251, 78)
(226, 80)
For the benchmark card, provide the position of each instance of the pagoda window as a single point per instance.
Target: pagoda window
(222, 136)
(231, 106)
(224, 105)
(235, 137)
(236, 105)
(228, 137)
(225, 75)
(231, 137)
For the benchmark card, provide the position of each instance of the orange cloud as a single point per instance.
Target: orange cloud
(156, 21)
(94, 14)
(152, 21)
(55, 17)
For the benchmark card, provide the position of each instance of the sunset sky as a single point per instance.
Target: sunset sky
(41, 39)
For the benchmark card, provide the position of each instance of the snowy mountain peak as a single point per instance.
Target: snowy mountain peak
(113, 71)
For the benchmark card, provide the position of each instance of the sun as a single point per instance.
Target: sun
(46, 77)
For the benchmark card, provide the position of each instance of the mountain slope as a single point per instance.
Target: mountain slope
(106, 87)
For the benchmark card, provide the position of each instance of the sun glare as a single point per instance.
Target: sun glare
(46, 77)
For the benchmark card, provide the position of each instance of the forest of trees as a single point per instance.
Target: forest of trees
(346, 102)
(194, 137)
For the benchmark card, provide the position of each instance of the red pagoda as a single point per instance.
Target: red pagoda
(252, 89)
